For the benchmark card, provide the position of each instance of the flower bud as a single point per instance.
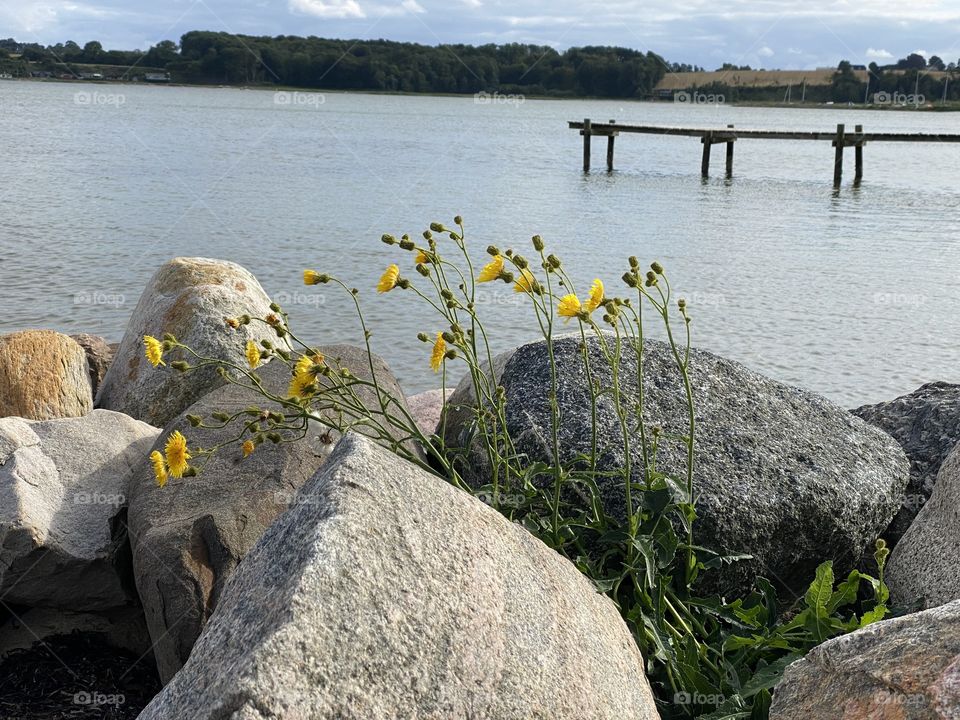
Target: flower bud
(220, 416)
(407, 244)
(537, 243)
(274, 307)
(191, 471)
(388, 239)
(450, 354)
(437, 227)
(232, 323)
(423, 270)
(554, 261)
(634, 263)
(657, 268)
(423, 337)
(449, 337)
(458, 220)
(630, 279)
(194, 420)
(180, 366)
(492, 250)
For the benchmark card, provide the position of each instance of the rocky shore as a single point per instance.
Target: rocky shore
(328, 578)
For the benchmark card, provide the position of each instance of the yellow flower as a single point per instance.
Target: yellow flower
(253, 354)
(422, 258)
(311, 277)
(491, 271)
(388, 281)
(177, 455)
(596, 296)
(159, 468)
(304, 375)
(154, 350)
(569, 306)
(525, 283)
(248, 448)
(439, 349)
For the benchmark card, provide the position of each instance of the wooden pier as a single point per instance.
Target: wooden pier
(839, 138)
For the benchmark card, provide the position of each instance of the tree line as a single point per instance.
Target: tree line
(312, 62)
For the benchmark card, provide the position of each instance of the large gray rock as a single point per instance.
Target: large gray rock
(780, 473)
(927, 424)
(188, 298)
(386, 593)
(923, 565)
(62, 483)
(907, 668)
(43, 375)
(189, 536)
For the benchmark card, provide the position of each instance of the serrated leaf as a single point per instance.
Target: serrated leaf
(820, 590)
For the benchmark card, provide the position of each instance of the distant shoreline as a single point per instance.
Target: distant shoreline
(494, 98)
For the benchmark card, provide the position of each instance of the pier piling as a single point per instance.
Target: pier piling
(858, 155)
(838, 157)
(586, 132)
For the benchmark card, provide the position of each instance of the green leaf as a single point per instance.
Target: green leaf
(820, 590)
(872, 616)
(846, 593)
(767, 677)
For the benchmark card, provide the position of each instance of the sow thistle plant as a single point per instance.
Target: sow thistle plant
(706, 657)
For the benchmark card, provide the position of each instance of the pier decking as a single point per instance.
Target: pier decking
(839, 138)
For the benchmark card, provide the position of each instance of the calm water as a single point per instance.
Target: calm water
(854, 295)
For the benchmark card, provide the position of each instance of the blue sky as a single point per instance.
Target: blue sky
(760, 33)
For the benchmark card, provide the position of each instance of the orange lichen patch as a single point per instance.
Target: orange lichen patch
(183, 273)
(43, 375)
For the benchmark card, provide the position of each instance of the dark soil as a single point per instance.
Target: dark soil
(76, 676)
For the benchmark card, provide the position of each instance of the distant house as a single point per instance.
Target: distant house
(91, 76)
(157, 77)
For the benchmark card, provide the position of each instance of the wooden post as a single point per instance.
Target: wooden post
(730, 154)
(858, 153)
(707, 141)
(838, 157)
(610, 139)
(586, 144)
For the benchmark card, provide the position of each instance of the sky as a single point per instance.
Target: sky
(784, 34)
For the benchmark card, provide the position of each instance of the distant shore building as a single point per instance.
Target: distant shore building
(157, 77)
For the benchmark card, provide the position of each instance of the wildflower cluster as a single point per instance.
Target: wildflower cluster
(644, 556)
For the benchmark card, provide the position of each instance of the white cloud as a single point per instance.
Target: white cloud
(765, 52)
(878, 54)
(921, 52)
(337, 9)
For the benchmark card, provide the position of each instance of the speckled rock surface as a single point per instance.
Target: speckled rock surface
(927, 424)
(189, 537)
(782, 474)
(99, 356)
(43, 375)
(386, 593)
(62, 482)
(923, 565)
(907, 668)
(426, 408)
(188, 298)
